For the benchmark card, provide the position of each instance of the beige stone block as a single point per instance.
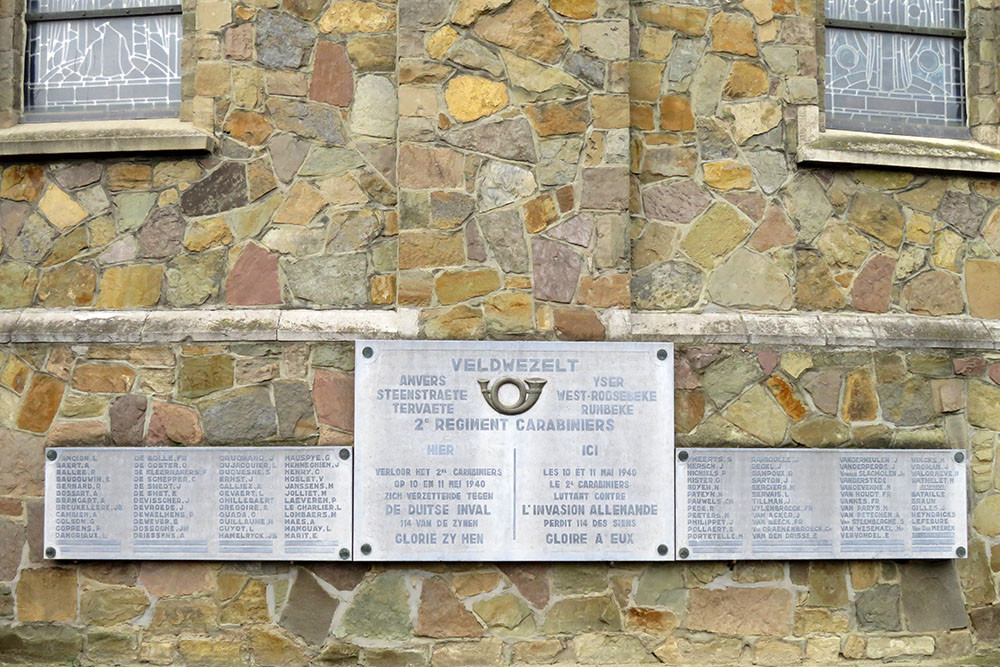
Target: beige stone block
(775, 652)
(611, 112)
(894, 647)
(212, 16)
(248, 85)
(644, 80)
(418, 101)
(60, 209)
(157, 652)
(348, 16)
(212, 79)
(293, 84)
(209, 651)
(130, 286)
(47, 596)
(656, 43)
(755, 611)
(822, 650)
(127, 176)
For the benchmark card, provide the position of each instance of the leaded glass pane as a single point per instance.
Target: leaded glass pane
(128, 67)
(47, 6)
(916, 13)
(879, 81)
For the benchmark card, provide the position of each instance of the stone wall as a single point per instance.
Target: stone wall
(512, 123)
(766, 613)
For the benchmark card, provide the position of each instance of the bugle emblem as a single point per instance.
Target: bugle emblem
(528, 392)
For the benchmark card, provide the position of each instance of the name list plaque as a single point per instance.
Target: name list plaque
(499, 451)
(745, 504)
(198, 503)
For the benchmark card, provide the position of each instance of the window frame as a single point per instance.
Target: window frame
(187, 129)
(976, 151)
(900, 125)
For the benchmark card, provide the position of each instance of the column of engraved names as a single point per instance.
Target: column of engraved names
(782, 508)
(932, 523)
(310, 499)
(445, 491)
(162, 485)
(711, 512)
(868, 520)
(80, 500)
(246, 508)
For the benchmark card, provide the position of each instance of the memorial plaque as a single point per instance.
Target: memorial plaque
(811, 503)
(513, 451)
(198, 503)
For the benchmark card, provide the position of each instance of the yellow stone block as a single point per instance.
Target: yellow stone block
(131, 286)
(471, 97)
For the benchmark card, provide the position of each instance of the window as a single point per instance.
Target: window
(102, 59)
(896, 67)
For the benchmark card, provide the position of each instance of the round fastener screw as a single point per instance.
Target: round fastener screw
(662, 549)
(366, 549)
(345, 454)
(960, 552)
(683, 553)
(50, 552)
(345, 554)
(682, 456)
(367, 353)
(661, 355)
(51, 455)
(959, 457)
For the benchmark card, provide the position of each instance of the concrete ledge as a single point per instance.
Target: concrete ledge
(76, 326)
(165, 326)
(38, 325)
(8, 320)
(103, 136)
(320, 325)
(844, 147)
(833, 330)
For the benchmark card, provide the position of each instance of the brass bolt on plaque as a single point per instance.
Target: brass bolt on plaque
(682, 456)
(683, 553)
(662, 549)
(960, 552)
(367, 352)
(52, 455)
(959, 457)
(345, 554)
(345, 454)
(366, 549)
(50, 552)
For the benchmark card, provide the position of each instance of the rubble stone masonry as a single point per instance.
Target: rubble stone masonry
(543, 169)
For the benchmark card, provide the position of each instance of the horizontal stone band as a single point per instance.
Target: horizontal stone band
(136, 326)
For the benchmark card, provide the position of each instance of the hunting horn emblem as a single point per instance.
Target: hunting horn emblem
(528, 392)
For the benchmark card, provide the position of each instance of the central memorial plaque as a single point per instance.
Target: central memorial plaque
(513, 451)
(198, 503)
(820, 503)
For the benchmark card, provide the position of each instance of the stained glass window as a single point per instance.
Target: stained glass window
(93, 59)
(896, 66)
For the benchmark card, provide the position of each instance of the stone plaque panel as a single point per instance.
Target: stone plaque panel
(735, 504)
(198, 503)
(498, 451)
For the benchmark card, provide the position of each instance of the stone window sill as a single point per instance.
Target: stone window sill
(842, 147)
(104, 136)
